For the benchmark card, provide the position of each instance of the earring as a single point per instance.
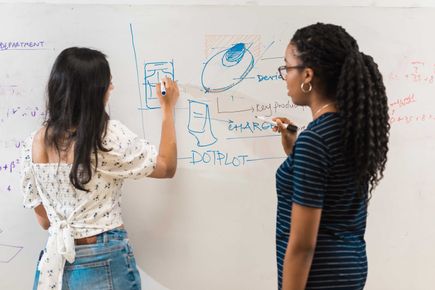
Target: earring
(304, 90)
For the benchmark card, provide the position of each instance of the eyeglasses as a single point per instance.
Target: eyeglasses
(284, 69)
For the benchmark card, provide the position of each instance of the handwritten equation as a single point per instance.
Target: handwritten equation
(21, 112)
(10, 143)
(399, 117)
(401, 102)
(415, 71)
(9, 166)
(417, 75)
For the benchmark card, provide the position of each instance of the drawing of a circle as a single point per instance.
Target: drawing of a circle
(227, 68)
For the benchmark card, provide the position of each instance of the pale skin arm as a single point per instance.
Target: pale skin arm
(40, 155)
(167, 158)
(301, 246)
(41, 216)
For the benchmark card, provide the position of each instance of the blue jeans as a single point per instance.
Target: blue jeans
(108, 264)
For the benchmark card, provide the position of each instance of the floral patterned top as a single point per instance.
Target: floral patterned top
(77, 214)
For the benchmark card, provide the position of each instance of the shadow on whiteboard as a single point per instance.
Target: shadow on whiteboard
(148, 283)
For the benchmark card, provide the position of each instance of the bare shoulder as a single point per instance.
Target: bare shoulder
(38, 138)
(39, 152)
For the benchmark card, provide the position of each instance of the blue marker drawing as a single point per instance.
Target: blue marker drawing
(234, 55)
(200, 124)
(253, 137)
(137, 77)
(265, 158)
(227, 68)
(218, 158)
(236, 110)
(153, 74)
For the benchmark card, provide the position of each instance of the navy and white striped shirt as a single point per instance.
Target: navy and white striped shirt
(318, 175)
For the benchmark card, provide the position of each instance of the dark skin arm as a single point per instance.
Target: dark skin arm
(287, 138)
(301, 246)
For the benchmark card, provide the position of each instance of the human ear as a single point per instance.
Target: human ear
(308, 75)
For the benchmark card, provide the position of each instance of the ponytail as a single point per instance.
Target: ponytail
(351, 79)
(362, 103)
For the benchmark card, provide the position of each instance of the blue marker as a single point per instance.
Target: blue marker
(162, 88)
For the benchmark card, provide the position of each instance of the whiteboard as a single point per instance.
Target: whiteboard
(213, 225)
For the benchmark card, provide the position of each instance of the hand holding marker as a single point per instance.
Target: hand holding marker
(167, 91)
(289, 127)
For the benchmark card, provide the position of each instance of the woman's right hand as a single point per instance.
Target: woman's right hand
(166, 164)
(288, 138)
(172, 93)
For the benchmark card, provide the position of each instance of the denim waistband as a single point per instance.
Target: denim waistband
(107, 242)
(114, 234)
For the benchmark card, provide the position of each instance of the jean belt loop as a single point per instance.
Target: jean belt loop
(99, 238)
(105, 238)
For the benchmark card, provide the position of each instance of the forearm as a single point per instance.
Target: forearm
(297, 264)
(168, 142)
(287, 145)
(287, 138)
(41, 216)
(288, 150)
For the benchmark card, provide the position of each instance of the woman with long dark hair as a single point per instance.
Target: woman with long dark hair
(73, 169)
(333, 166)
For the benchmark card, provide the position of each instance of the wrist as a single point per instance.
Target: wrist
(167, 109)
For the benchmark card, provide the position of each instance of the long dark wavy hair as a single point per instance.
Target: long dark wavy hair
(352, 80)
(78, 82)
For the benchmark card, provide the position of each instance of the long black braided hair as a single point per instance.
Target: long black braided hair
(352, 80)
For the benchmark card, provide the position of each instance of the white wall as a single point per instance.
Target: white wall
(215, 225)
(374, 3)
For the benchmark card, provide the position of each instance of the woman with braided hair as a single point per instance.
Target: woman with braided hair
(332, 167)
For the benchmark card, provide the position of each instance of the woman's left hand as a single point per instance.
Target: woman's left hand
(287, 138)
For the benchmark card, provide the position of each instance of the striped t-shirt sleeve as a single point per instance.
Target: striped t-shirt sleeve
(310, 169)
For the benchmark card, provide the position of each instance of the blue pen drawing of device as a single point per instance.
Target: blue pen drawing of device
(154, 72)
(200, 124)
